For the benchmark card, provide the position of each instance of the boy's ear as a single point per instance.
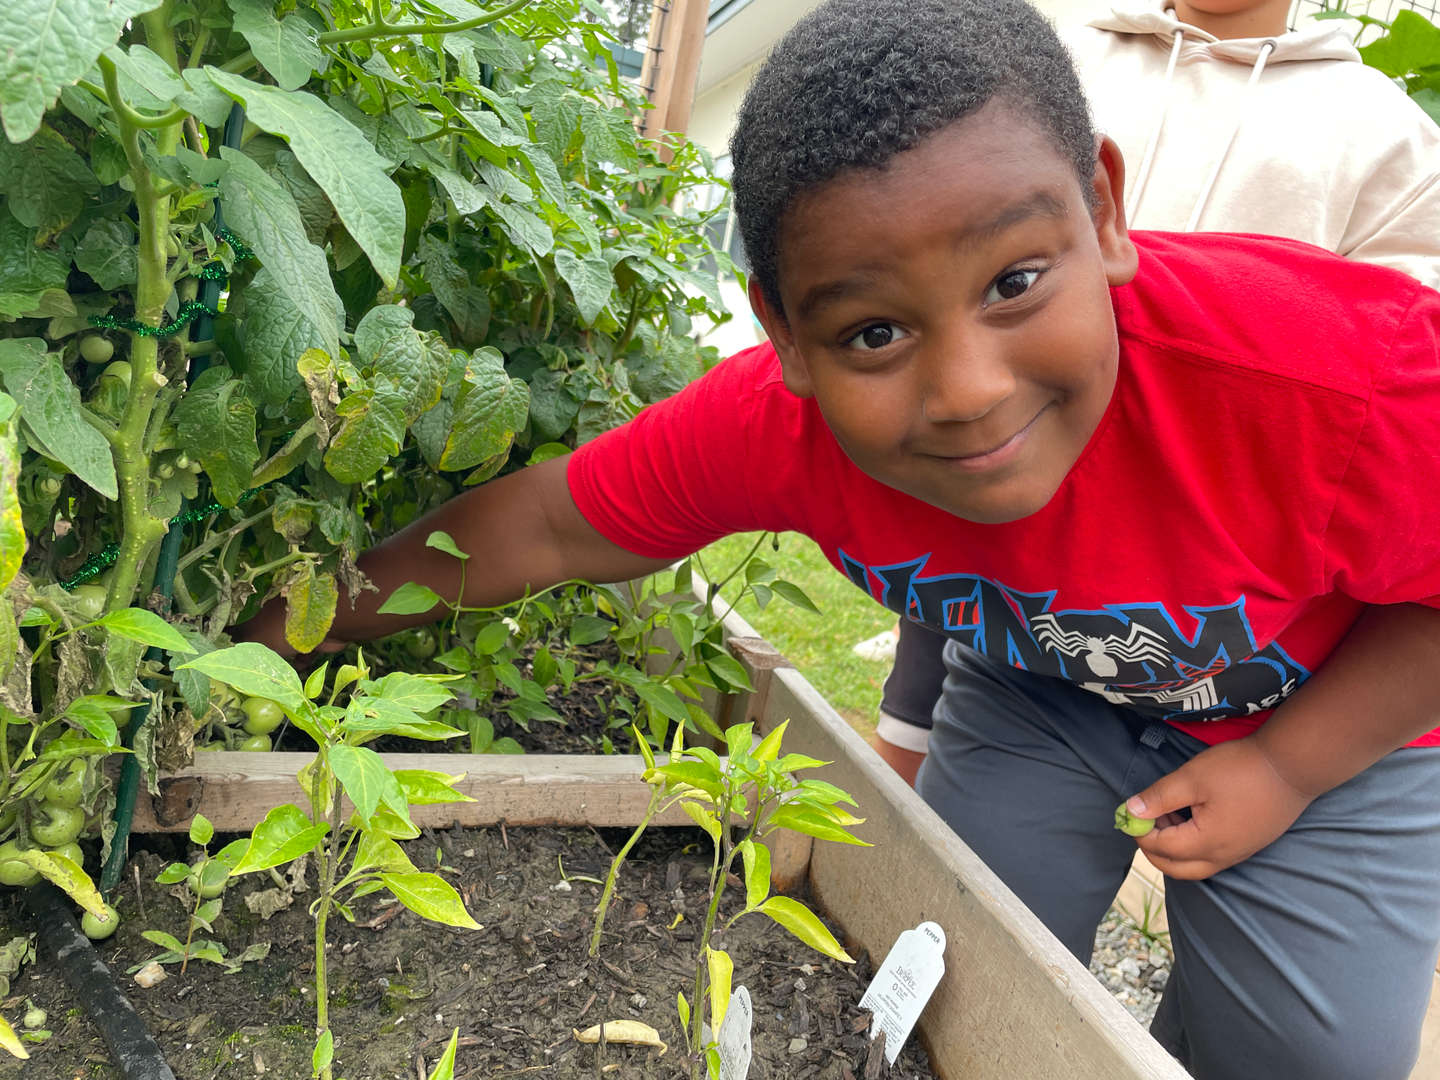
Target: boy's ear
(792, 365)
(1116, 249)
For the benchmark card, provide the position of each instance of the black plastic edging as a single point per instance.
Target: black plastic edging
(132, 1050)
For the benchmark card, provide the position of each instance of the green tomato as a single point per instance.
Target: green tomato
(55, 826)
(96, 349)
(90, 600)
(420, 643)
(71, 851)
(210, 746)
(12, 870)
(120, 370)
(256, 744)
(1131, 825)
(207, 879)
(262, 715)
(66, 787)
(97, 929)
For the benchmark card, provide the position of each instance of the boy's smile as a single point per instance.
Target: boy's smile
(951, 313)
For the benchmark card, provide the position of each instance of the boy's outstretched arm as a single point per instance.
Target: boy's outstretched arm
(1379, 690)
(522, 532)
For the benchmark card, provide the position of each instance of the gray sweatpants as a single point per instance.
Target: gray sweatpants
(1311, 960)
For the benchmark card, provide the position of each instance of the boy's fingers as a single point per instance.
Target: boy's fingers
(1165, 796)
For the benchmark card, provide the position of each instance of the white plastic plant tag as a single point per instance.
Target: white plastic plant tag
(734, 1041)
(904, 983)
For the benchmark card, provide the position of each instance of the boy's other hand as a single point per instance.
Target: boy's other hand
(1238, 804)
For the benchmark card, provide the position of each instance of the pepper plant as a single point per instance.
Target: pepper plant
(278, 276)
(647, 682)
(355, 849)
(739, 801)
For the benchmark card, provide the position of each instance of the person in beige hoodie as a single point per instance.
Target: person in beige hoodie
(1229, 122)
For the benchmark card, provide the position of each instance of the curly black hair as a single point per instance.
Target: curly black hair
(856, 82)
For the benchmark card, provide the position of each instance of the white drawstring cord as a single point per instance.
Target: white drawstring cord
(1265, 51)
(1138, 191)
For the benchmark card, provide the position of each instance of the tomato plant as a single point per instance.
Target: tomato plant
(276, 277)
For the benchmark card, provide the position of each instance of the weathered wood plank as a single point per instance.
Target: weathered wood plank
(235, 790)
(1013, 1002)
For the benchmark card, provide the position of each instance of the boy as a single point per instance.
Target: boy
(1155, 482)
(1229, 122)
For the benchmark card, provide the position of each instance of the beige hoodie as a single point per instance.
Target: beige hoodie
(1309, 143)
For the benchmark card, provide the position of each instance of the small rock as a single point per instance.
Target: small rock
(149, 975)
(799, 1046)
(1129, 968)
(561, 886)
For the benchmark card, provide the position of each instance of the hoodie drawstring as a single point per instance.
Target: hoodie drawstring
(1137, 193)
(1265, 50)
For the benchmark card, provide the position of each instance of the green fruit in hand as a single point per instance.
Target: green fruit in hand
(56, 825)
(66, 787)
(96, 349)
(207, 879)
(256, 744)
(262, 716)
(1131, 825)
(71, 851)
(89, 600)
(97, 929)
(12, 870)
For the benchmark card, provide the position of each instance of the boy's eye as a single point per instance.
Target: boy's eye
(876, 336)
(1011, 284)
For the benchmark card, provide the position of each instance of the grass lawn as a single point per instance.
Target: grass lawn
(818, 645)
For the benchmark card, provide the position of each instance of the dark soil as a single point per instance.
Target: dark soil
(515, 989)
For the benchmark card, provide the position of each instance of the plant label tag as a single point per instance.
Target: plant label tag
(904, 983)
(734, 1041)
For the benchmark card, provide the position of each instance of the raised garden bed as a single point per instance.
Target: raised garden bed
(1013, 1001)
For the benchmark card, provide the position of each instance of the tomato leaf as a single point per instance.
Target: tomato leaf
(339, 158)
(49, 44)
(51, 408)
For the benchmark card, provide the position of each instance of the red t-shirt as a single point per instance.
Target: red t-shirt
(1269, 465)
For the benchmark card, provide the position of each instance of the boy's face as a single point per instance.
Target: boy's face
(951, 314)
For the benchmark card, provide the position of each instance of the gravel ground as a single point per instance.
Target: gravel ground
(1131, 966)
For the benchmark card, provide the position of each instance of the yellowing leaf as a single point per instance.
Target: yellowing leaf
(722, 968)
(11, 1042)
(622, 1031)
(310, 601)
(805, 925)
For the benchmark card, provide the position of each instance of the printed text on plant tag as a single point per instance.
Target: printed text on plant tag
(904, 983)
(734, 1041)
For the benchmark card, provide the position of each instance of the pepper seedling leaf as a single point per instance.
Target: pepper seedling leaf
(805, 925)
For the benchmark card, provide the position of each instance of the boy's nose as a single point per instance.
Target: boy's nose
(965, 381)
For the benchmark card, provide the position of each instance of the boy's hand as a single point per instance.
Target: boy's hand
(1238, 804)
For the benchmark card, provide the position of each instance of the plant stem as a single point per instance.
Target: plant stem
(718, 869)
(380, 28)
(141, 530)
(656, 794)
(214, 540)
(329, 865)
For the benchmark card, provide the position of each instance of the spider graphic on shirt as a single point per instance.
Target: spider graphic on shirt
(1140, 645)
